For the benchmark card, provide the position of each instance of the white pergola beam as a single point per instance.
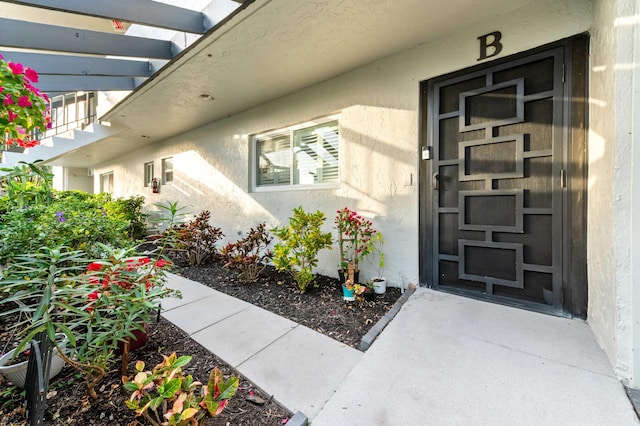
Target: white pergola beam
(67, 83)
(78, 65)
(29, 35)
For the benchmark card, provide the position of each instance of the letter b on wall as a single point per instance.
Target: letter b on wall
(490, 45)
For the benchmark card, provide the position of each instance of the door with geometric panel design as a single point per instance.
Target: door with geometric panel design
(497, 142)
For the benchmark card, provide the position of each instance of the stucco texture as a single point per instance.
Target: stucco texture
(379, 113)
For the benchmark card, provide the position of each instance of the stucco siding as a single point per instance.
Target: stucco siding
(601, 264)
(379, 158)
(612, 179)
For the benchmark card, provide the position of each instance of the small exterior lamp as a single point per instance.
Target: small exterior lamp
(155, 185)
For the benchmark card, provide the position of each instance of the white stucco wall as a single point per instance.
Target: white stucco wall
(379, 107)
(601, 256)
(634, 22)
(614, 240)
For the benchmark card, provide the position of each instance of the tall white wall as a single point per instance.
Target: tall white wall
(601, 206)
(614, 239)
(633, 22)
(379, 107)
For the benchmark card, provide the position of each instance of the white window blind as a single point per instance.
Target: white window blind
(298, 156)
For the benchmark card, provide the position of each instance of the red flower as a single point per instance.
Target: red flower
(16, 68)
(105, 283)
(132, 265)
(94, 295)
(31, 75)
(94, 266)
(8, 100)
(12, 116)
(94, 280)
(24, 102)
(1, 89)
(161, 263)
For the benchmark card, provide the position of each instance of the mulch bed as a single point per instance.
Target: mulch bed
(321, 309)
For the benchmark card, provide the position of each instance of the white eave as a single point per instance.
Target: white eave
(269, 48)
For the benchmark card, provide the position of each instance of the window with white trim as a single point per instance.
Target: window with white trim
(148, 173)
(167, 170)
(304, 155)
(106, 182)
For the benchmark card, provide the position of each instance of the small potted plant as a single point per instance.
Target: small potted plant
(348, 291)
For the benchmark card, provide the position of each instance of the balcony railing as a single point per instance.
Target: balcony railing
(68, 112)
(72, 111)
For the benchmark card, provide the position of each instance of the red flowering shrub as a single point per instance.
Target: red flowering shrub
(354, 237)
(23, 108)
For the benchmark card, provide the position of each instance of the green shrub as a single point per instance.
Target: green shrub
(73, 220)
(300, 242)
(25, 185)
(130, 210)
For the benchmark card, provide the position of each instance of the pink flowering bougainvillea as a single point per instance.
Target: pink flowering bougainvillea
(354, 235)
(23, 108)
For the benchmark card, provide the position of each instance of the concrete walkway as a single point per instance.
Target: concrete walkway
(298, 366)
(443, 360)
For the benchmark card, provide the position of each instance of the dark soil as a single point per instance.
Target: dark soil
(321, 309)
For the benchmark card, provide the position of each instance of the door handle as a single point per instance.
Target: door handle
(435, 181)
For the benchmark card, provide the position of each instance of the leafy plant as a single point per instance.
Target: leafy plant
(11, 395)
(354, 238)
(94, 304)
(196, 239)
(166, 220)
(249, 254)
(358, 289)
(300, 242)
(166, 393)
(130, 210)
(25, 184)
(374, 246)
(73, 219)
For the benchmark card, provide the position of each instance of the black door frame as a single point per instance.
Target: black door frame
(574, 190)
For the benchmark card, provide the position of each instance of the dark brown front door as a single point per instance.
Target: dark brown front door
(496, 143)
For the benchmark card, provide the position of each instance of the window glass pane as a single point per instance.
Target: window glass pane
(316, 154)
(106, 182)
(148, 173)
(167, 170)
(273, 164)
